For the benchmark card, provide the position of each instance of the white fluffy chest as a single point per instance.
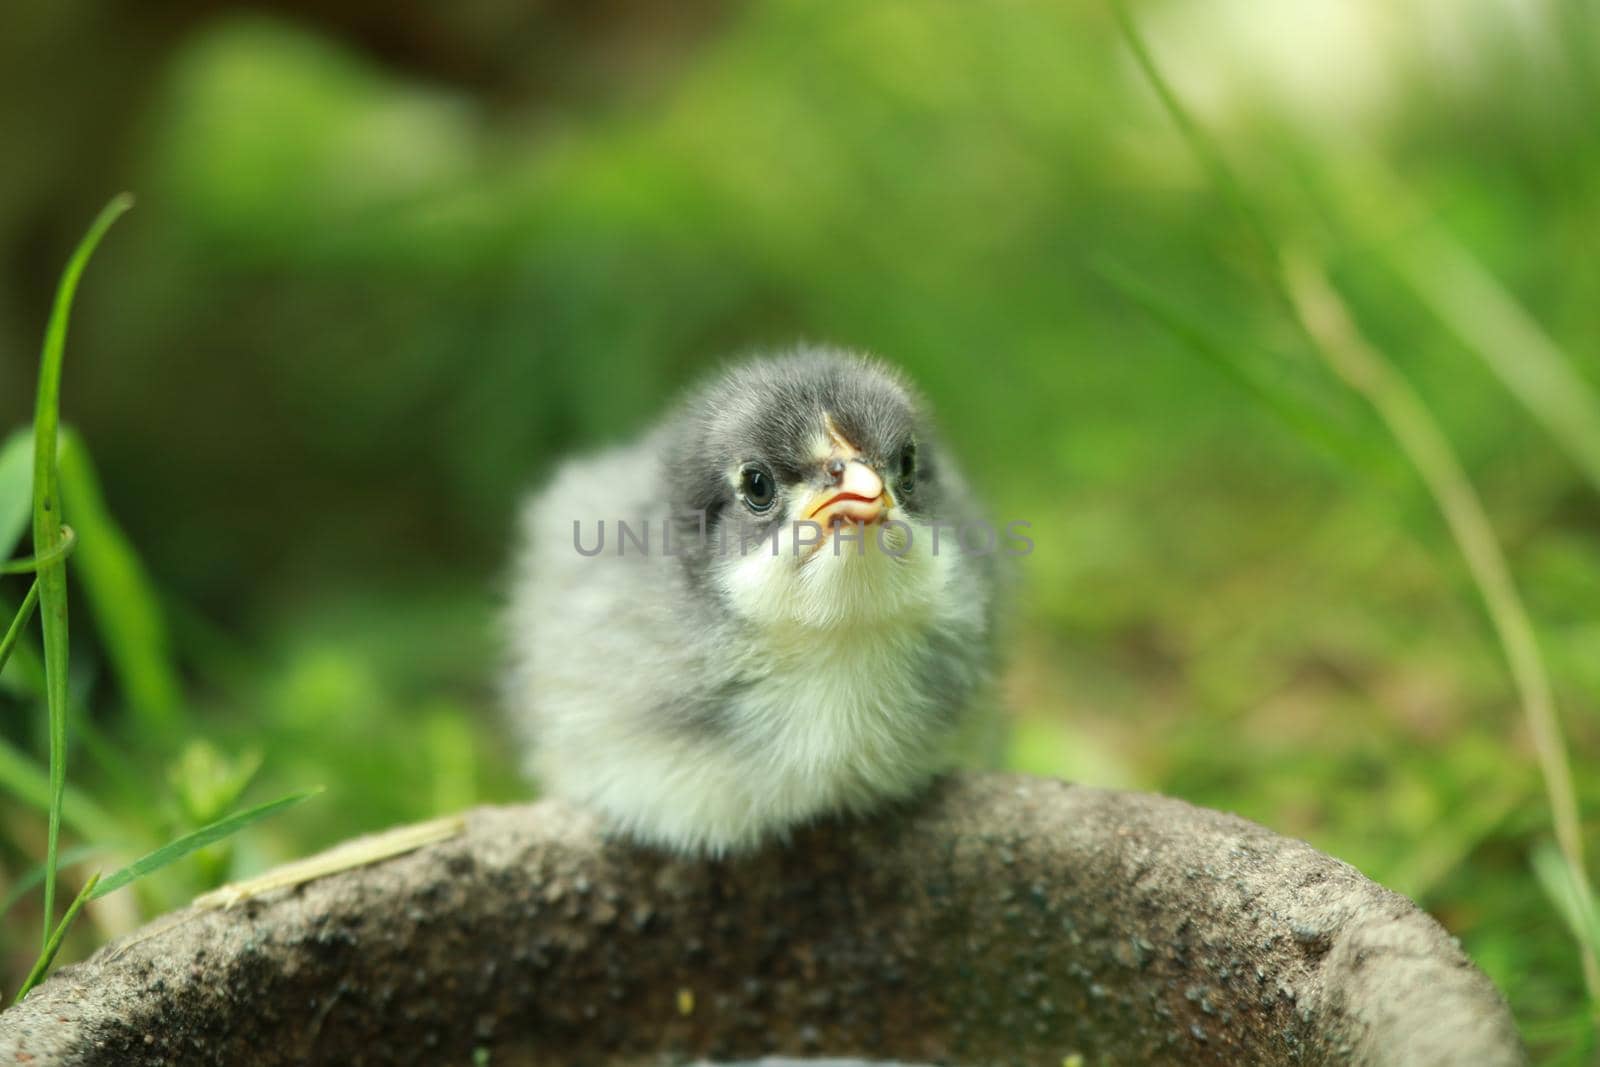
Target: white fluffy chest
(843, 705)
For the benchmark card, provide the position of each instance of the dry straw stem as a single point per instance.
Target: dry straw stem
(1340, 343)
(352, 854)
(1334, 335)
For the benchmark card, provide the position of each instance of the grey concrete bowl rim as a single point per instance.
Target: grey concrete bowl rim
(999, 919)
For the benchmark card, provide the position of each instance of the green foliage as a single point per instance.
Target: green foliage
(1569, 894)
(343, 337)
(1321, 313)
(127, 612)
(31, 879)
(131, 631)
(25, 780)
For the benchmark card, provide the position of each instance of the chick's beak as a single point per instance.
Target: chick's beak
(858, 495)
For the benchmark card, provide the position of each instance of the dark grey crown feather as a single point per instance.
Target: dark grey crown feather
(769, 410)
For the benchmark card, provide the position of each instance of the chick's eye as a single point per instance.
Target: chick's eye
(908, 463)
(757, 488)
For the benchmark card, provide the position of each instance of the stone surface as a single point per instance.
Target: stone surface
(1002, 920)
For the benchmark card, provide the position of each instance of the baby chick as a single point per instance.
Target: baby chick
(757, 614)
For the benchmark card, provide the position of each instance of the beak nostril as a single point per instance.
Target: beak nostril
(835, 470)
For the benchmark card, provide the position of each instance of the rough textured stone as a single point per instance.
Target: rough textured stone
(1002, 920)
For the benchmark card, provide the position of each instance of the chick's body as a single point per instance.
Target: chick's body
(711, 687)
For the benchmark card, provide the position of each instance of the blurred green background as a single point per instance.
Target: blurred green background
(389, 264)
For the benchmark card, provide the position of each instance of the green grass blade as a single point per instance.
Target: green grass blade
(1368, 371)
(1321, 316)
(1397, 227)
(16, 465)
(1305, 420)
(22, 677)
(1570, 894)
(1490, 322)
(52, 943)
(47, 534)
(122, 598)
(33, 877)
(1211, 158)
(28, 782)
(16, 489)
(206, 835)
(18, 623)
(34, 564)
